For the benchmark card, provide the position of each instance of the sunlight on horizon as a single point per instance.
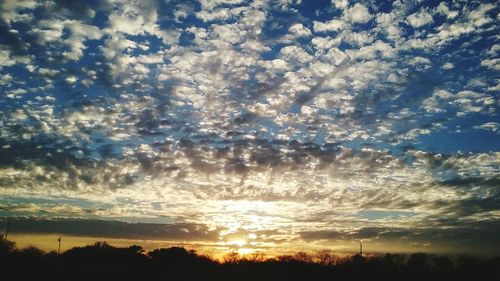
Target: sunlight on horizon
(218, 250)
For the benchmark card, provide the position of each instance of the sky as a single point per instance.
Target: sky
(263, 126)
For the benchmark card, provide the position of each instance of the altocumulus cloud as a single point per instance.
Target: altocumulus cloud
(286, 121)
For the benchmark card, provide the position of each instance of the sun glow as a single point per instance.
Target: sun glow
(245, 251)
(239, 243)
(245, 215)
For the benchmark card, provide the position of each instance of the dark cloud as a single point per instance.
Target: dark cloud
(115, 229)
(471, 206)
(321, 235)
(476, 237)
(471, 182)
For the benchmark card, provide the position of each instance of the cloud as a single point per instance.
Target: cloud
(295, 54)
(443, 8)
(491, 63)
(358, 14)
(420, 19)
(490, 126)
(115, 229)
(299, 30)
(449, 239)
(219, 14)
(332, 25)
(71, 79)
(463, 102)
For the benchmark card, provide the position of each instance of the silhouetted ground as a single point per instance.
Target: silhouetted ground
(104, 262)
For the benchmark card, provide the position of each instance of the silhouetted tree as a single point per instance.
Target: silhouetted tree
(173, 256)
(256, 257)
(6, 246)
(303, 257)
(394, 260)
(326, 257)
(102, 261)
(31, 251)
(232, 257)
(285, 258)
(417, 262)
(442, 263)
(135, 249)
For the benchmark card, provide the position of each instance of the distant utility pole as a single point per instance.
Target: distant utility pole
(360, 247)
(7, 230)
(59, 247)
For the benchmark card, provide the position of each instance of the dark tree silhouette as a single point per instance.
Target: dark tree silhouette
(326, 257)
(6, 246)
(232, 257)
(102, 261)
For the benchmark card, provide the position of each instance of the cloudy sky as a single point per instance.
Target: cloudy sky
(256, 125)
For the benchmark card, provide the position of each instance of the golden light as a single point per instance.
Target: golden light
(239, 243)
(245, 251)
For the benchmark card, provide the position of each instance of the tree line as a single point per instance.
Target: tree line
(101, 261)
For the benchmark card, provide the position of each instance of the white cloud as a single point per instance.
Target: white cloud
(219, 14)
(48, 31)
(357, 38)
(48, 72)
(490, 126)
(414, 133)
(132, 23)
(388, 23)
(420, 63)
(443, 9)
(19, 114)
(448, 66)
(325, 43)
(358, 14)
(420, 19)
(340, 4)
(229, 33)
(71, 79)
(469, 22)
(86, 31)
(332, 25)
(140, 19)
(463, 102)
(478, 16)
(491, 63)
(5, 79)
(51, 30)
(255, 46)
(299, 30)
(295, 54)
(141, 69)
(437, 101)
(10, 10)
(212, 4)
(5, 59)
(370, 52)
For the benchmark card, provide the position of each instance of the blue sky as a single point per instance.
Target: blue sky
(303, 123)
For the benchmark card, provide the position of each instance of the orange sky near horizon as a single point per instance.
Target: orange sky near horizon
(217, 250)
